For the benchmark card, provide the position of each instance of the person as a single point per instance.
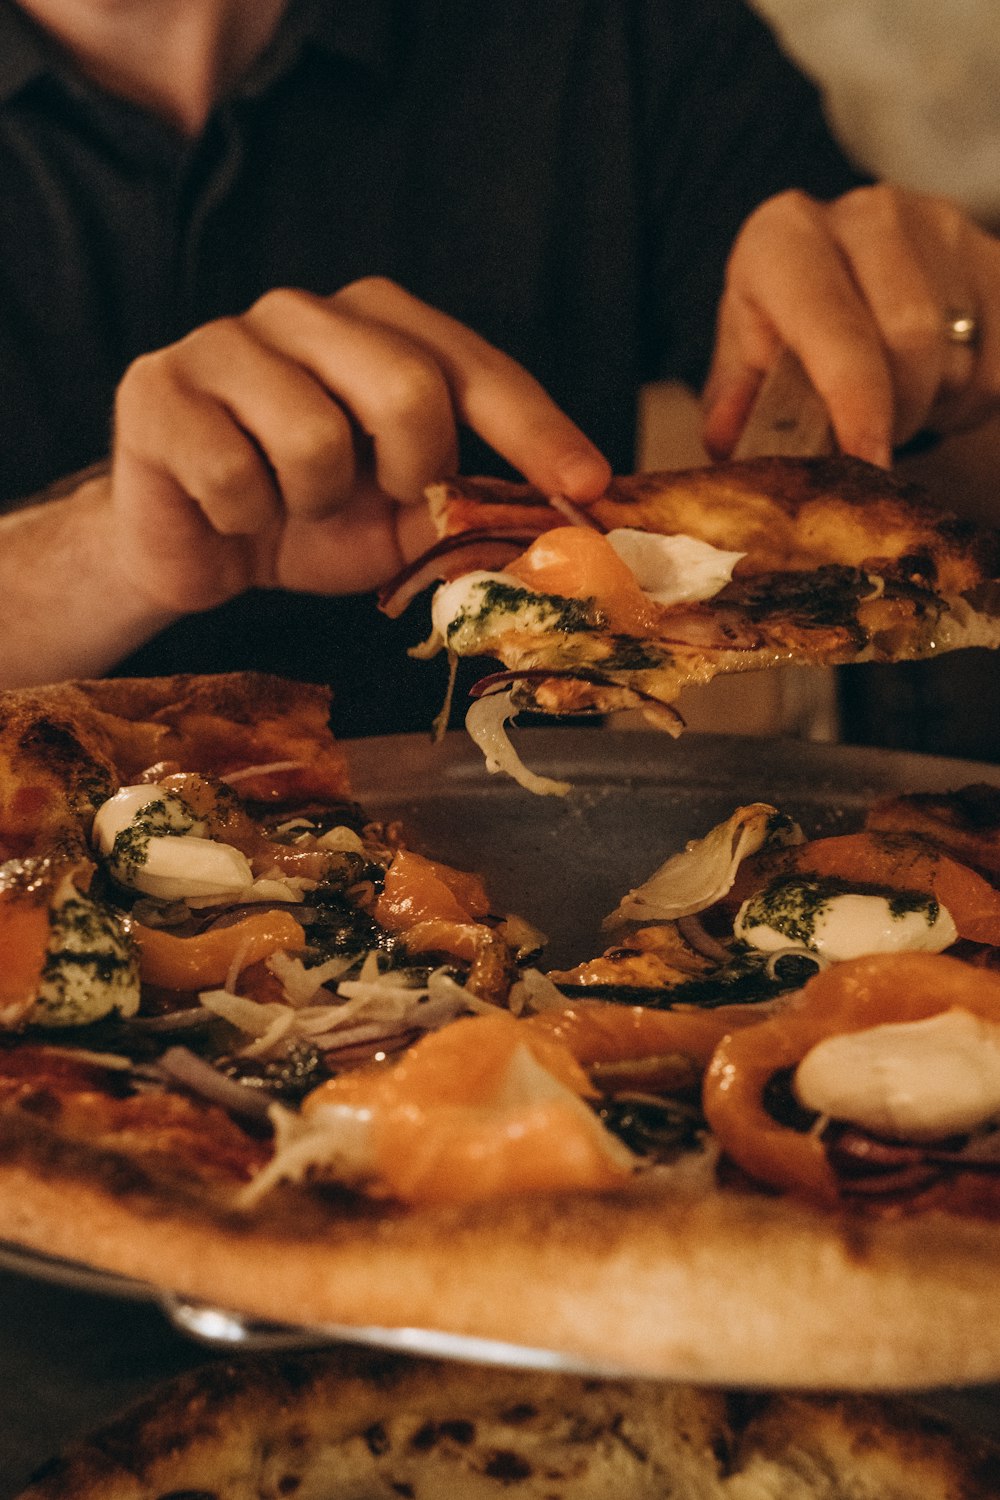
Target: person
(314, 254)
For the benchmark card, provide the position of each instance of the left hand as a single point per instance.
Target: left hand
(863, 290)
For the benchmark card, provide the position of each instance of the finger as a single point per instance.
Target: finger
(392, 388)
(788, 281)
(302, 433)
(168, 427)
(353, 549)
(492, 393)
(746, 347)
(971, 392)
(902, 266)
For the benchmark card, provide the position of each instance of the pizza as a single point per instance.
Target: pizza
(259, 1051)
(671, 579)
(344, 1424)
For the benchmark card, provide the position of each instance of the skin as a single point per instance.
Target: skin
(862, 290)
(290, 446)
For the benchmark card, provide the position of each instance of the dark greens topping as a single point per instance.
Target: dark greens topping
(553, 611)
(747, 979)
(659, 1129)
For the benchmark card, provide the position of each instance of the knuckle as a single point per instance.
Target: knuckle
(369, 294)
(282, 304)
(913, 325)
(874, 206)
(411, 391)
(793, 205)
(318, 448)
(227, 475)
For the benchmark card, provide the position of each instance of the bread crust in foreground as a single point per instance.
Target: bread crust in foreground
(349, 1424)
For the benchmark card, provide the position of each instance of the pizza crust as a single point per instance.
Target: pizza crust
(670, 1278)
(64, 748)
(360, 1427)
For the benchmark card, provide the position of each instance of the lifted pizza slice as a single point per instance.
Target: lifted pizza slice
(672, 579)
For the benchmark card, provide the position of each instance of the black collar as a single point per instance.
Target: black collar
(360, 30)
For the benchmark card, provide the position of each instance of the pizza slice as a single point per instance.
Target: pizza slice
(196, 920)
(672, 579)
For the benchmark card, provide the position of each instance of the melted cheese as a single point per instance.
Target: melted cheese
(673, 569)
(91, 967)
(908, 1080)
(154, 843)
(814, 917)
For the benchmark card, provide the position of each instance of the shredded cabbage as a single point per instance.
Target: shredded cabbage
(705, 869)
(485, 723)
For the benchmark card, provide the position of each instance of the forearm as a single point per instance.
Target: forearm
(66, 608)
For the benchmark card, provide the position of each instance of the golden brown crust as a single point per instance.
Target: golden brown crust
(345, 1423)
(671, 1277)
(785, 513)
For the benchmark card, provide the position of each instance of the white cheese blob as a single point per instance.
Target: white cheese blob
(673, 569)
(908, 1080)
(91, 967)
(814, 917)
(153, 842)
(480, 604)
(180, 867)
(123, 809)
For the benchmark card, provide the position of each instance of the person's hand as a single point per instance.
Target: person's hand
(866, 290)
(290, 446)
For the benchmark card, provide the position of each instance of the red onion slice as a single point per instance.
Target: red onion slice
(184, 1067)
(694, 934)
(450, 558)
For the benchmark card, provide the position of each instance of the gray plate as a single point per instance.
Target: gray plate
(563, 862)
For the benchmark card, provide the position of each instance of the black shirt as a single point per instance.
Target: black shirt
(565, 176)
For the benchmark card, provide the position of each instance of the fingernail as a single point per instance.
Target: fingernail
(584, 475)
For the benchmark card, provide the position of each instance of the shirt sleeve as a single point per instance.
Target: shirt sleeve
(725, 121)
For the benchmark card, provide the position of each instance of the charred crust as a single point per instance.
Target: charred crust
(508, 1467)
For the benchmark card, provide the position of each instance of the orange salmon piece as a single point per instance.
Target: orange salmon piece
(598, 1031)
(24, 937)
(479, 1109)
(906, 862)
(850, 996)
(204, 961)
(577, 562)
(423, 890)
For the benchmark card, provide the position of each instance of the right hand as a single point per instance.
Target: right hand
(290, 446)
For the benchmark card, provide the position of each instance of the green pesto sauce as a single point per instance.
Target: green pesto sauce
(91, 966)
(166, 817)
(630, 655)
(792, 904)
(747, 979)
(543, 612)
